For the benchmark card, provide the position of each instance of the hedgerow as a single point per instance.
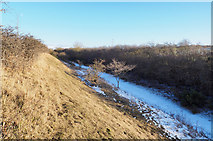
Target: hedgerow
(19, 51)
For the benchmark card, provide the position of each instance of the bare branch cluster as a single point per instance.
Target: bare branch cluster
(94, 71)
(2, 3)
(117, 68)
(98, 66)
(19, 51)
(79, 63)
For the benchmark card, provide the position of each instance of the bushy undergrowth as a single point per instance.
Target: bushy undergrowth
(192, 98)
(19, 51)
(185, 67)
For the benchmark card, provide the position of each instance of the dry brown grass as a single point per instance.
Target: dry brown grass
(49, 102)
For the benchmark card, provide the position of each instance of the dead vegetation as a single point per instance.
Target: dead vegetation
(184, 67)
(119, 68)
(49, 102)
(94, 71)
(19, 51)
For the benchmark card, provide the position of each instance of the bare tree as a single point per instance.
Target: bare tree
(94, 71)
(2, 3)
(2, 10)
(78, 46)
(119, 68)
(184, 42)
(79, 63)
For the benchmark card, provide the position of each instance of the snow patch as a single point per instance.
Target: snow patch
(97, 89)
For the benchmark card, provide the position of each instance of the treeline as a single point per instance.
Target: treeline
(19, 51)
(188, 68)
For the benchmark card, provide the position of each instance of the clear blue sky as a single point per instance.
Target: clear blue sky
(97, 24)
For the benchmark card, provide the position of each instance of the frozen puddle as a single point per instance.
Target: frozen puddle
(177, 121)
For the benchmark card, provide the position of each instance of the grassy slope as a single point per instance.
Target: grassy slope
(48, 101)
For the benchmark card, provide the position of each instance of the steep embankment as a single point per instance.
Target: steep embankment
(48, 101)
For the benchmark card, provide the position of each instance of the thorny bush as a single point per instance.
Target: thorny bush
(19, 51)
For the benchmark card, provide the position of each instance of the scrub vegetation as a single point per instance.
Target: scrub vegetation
(184, 69)
(19, 51)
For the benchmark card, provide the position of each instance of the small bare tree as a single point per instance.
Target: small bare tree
(94, 71)
(119, 68)
(2, 10)
(79, 63)
(2, 3)
(78, 46)
(184, 42)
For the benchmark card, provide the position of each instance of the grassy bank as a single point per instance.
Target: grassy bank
(187, 68)
(42, 99)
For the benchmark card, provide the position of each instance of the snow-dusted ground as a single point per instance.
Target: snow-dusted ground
(170, 115)
(177, 121)
(163, 105)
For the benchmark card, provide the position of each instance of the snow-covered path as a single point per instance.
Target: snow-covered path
(177, 121)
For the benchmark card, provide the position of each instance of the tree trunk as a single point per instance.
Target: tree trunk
(117, 79)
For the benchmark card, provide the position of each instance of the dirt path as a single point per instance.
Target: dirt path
(49, 102)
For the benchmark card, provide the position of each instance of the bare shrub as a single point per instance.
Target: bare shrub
(184, 42)
(79, 63)
(3, 3)
(78, 46)
(53, 53)
(18, 52)
(94, 72)
(62, 55)
(119, 68)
